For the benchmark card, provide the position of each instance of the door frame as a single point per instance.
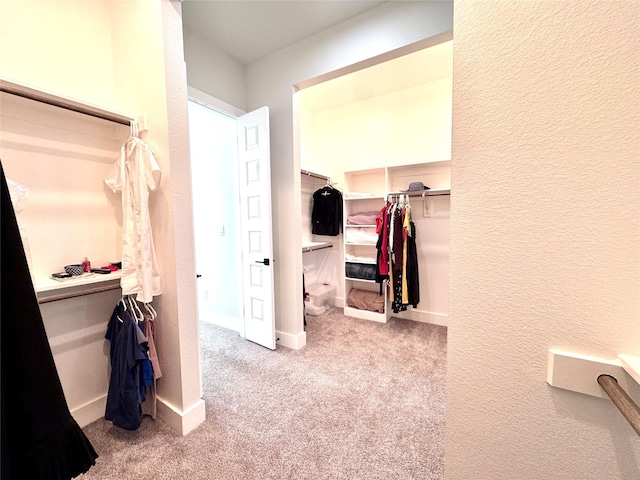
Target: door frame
(223, 108)
(340, 72)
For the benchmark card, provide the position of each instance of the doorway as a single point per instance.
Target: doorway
(213, 144)
(388, 122)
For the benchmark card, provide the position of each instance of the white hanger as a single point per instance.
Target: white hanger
(134, 128)
(134, 310)
(151, 311)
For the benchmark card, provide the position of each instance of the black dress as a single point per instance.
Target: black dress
(40, 438)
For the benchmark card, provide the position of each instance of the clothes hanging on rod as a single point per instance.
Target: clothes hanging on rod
(136, 173)
(132, 365)
(326, 214)
(149, 406)
(397, 259)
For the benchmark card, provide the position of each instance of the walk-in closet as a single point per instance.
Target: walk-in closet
(380, 136)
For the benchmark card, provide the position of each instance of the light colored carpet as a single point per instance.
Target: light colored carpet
(362, 400)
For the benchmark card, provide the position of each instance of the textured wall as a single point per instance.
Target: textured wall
(545, 234)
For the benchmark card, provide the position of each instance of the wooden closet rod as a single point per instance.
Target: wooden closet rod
(620, 399)
(60, 102)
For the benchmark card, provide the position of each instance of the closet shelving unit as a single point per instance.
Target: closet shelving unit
(369, 190)
(49, 290)
(365, 192)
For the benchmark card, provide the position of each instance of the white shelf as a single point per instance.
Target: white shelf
(63, 102)
(49, 290)
(49, 284)
(359, 226)
(432, 192)
(361, 244)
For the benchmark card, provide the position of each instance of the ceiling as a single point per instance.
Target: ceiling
(250, 30)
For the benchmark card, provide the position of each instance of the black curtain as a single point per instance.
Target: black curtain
(40, 438)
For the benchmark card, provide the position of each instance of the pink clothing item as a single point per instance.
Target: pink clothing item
(382, 227)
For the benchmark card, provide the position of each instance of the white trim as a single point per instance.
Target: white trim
(423, 316)
(182, 422)
(207, 100)
(90, 411)
(295, 342)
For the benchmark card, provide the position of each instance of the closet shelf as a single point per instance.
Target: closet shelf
(61, 102)
(433, 192)
(49, 290)
(360, 226)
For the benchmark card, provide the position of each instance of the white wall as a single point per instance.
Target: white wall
(215, 197)
(125, 56)
(214, 71)
(545, 235)
(412, 125)
(43, 53)
(270, 81)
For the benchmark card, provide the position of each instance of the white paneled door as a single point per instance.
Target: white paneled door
(254, 165)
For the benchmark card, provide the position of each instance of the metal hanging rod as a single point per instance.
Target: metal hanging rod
(315, 175)
(420, 193)
(313, 248)
(620, 399)
(64, 296)
(60, 102)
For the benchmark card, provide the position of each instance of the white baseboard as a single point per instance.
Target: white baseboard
(423, 317)
(90, 411)
(295, 342)
(181, 422)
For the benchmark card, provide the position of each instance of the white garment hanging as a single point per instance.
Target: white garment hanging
(136, 173)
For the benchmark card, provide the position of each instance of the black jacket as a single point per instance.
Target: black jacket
(326, 216)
